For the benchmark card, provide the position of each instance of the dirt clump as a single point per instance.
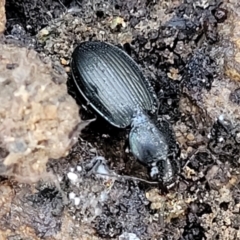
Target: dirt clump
(38, 118)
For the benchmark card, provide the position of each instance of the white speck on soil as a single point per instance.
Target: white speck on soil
(71, 195)
(73, 177)
(79, 168)
(128, 236)
(76, 201)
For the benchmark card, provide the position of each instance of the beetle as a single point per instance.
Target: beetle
(114, 86)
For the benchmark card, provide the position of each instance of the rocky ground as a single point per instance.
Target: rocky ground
(190, 51)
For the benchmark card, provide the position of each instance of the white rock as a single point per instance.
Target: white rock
(73, 177)
(79, 168)
(71, 195)
(76, 201)
(128, 236)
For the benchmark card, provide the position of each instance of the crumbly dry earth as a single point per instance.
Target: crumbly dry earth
(190, 52)
(38, 117)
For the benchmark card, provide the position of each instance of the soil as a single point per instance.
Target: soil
(181, 47)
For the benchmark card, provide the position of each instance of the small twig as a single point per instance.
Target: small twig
(127, 177)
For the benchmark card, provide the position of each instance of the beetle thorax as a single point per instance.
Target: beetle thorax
(147, 142)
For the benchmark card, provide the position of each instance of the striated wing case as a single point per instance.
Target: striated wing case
(111, 82)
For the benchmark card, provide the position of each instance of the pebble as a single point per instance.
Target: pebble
(128, 236)
(67, 69)
(190, 137)
(79, 168)
(76, 201)
(220, 139)
(117, 21)
(72, 177)
(93, 150)
(189, 149)
(43, 32)
(71, 195)
(64, 61)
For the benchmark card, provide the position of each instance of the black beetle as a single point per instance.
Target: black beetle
(114, 86)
